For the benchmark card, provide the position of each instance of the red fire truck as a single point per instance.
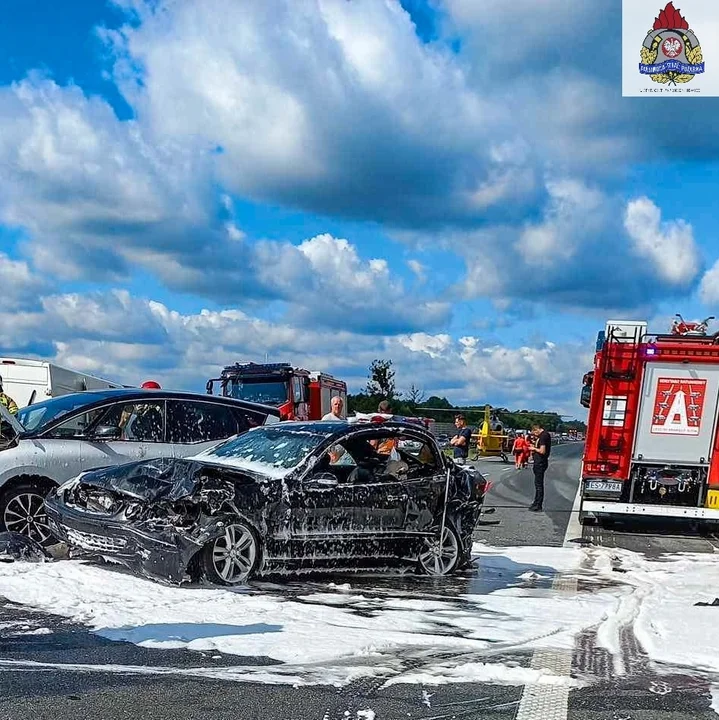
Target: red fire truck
(652, 442)
(299, 394)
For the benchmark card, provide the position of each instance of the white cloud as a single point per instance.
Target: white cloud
(332, 106)
(19, 286)
(554, 240)
(130, 339)
(709, 286)
(535, 60)
(99, 201)
(87, 188)
(433, 345)
(335, 288)
(668, 246)
(419, 270)
(588, 250)
(338, 107)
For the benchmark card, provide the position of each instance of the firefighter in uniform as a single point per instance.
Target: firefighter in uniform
(7, 401)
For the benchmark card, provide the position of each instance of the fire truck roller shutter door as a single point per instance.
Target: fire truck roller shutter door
(326, 396)
(677, 417)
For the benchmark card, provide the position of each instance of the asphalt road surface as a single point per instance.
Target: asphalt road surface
(75, 674)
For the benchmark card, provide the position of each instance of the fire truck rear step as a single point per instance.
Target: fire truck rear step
(597, 507)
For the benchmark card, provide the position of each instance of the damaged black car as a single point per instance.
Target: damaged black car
(282, 498)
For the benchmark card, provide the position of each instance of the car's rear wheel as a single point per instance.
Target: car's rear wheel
(231, 558)
(22, 510)
(441, 557)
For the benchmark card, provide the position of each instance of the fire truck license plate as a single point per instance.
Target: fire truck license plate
(602, 486)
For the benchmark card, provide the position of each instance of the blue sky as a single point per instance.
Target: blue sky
(188, 184)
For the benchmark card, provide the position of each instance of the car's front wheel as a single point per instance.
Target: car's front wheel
(231, 558)
(22, 510)
(441, 557)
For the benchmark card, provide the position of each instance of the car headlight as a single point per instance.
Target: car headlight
(68, 486)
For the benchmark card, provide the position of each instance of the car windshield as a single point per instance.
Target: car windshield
(272, 392)
(272, 451)
(37, 416)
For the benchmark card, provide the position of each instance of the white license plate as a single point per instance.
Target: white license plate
(602, 486)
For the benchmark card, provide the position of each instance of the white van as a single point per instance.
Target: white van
(30, 381)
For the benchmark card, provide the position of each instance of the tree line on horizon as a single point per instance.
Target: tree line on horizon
(381, 385)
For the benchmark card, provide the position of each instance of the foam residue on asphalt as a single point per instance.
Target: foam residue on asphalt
(336, 634)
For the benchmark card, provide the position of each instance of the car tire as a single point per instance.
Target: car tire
(20, 502)
(440, 560)
(231, 558)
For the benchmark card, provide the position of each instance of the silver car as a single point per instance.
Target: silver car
(51, 442)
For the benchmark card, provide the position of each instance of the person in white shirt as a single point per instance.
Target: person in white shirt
(336, 414)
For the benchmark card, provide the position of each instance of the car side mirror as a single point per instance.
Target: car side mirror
(323, 481)
(107, 432)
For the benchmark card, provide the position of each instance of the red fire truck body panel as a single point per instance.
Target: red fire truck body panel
(652, 442)
(323, 388)
(297, 393)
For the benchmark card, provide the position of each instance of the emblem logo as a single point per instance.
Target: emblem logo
(681, 54)
(678, 406)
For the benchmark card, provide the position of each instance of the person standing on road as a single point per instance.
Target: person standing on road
(541, 450)
(518, 449)
(7, 401)
(460, 442)
(527, 449)
(335, 415)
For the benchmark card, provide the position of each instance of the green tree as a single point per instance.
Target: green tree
(381, 379)
(414, 395)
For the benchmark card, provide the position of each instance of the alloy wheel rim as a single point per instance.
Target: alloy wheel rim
(233, 554)
(25, 514)
(438, 558)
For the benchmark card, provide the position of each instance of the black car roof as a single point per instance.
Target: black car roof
(142, 393)
(100, 397)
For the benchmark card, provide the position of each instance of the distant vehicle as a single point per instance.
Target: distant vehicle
(492, 440)
(291, 496)
(29, 381)
(49, 442)
(298, 394)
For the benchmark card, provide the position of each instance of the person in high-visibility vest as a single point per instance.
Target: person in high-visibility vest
(6, 400)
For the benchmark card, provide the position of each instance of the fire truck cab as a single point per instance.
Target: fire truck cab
(298, 394)
(652, 442)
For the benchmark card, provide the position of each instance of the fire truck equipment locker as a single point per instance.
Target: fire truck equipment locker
(677, 416)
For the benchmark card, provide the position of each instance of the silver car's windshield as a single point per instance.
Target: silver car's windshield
(273, 450)
(35, 417)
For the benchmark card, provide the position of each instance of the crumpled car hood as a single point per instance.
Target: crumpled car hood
(167, 479)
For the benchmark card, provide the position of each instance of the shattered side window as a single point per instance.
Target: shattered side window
(419, 450)
(78, 425)
(138, 422)
(339, 455)
(196, 422)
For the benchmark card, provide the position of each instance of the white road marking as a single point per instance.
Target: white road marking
(543, 702)
(549, 702)
(574, 527)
